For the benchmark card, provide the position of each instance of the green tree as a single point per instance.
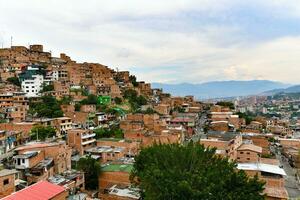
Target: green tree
(118, 100)
(46, 88)
(91, 99)
(77, 106)
(147, 111)
(91, 169)
(113, 131)
(226, 104)
(132, 79)
(65, 100)
(173, 171)
(85, 92)
(141, 100)
(247, 116)
(48, 107)
(42, 132)
(134, 99)
(14, 80)
(179, 109)
(130, 94)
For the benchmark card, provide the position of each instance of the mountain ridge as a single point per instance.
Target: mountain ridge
(291, 89)
(219, 89)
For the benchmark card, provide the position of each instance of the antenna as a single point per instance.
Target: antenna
(11, 41)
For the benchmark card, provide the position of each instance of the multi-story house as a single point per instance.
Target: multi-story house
(272, 175)
(248, 152)
(32, 80)
(226, 144)
(60, 152)
(8, 182)
(81, 139)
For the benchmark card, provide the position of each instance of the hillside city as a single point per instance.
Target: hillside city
(73, 131)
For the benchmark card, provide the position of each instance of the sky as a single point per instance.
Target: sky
(169, 41)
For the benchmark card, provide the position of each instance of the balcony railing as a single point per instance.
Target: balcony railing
(85, 136)
(88, 142)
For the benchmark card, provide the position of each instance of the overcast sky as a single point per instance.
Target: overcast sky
(165, 40)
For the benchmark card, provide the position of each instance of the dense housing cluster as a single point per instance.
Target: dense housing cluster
(61, 121)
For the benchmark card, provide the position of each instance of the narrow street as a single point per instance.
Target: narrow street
(291, 184)
(199, 128)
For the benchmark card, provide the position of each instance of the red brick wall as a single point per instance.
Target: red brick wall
(6, 190)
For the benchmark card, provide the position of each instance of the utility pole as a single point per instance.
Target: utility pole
(37, 134)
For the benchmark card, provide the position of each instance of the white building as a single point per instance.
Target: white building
(31, 81)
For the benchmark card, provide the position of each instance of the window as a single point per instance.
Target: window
(238, 158)
(248, 153)
(23, 160)
(5, 181)
(241, 152)
(248, 158)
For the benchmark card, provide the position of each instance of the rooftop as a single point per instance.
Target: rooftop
(6, 172)
(225, 136)
(250, 147)
(38, 191)
(114, 139)
(132, 193)
(48, 162)
(105, 149)
(273, 169)
(27, 154)
(117, 168)
(33, 145)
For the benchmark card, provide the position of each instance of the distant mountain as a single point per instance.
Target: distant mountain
(292, 89)
(218, 89)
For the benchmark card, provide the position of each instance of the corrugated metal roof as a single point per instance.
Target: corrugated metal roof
(261, 167)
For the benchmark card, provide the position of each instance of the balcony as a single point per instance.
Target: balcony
(85, 136)
(88, 142)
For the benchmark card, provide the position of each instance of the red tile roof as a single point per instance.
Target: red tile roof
(42, 190)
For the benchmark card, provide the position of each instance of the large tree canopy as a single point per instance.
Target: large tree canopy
(190, 172)
(48, 107)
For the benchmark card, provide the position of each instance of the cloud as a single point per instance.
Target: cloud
(165, 41)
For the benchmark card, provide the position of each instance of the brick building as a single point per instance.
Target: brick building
(272, 175)
(43, 190)
(81, 139)
(59, 151)
(248, 153)
(7, 182)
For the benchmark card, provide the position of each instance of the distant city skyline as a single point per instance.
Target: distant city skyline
(167, 41)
